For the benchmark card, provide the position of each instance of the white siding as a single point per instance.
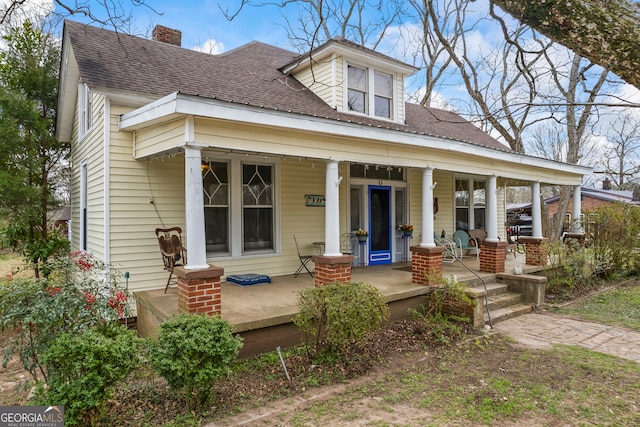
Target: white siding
(134, 183)
(159, 138)
(90, 148)
(319, 78)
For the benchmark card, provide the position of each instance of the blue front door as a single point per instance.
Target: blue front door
(380, 228)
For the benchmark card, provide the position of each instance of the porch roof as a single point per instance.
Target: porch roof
(398, 147)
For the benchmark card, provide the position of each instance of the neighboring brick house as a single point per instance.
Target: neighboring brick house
(591, 199)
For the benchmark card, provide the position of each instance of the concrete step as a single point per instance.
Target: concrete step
(493, 289)
(507, 313)
(504, 300)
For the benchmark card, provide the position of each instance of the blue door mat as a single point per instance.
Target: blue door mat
(248, 279)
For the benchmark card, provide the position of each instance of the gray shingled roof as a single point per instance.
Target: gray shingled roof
(247, 75)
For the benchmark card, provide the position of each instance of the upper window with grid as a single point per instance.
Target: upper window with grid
(369, 92)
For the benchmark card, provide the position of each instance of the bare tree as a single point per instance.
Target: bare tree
(605, 32)
(621, 155)
(108, 13)
(365, 22)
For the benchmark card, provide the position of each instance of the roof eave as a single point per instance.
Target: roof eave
(67, 91)
(179, 105)
(332, 46)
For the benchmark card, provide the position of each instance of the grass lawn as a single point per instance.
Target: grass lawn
(616, 307)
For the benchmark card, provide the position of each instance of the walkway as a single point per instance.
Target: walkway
(542, 329)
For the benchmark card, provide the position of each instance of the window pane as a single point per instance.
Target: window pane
(215, 183)
(383, 107)
(357, 78)
(258, 228)
(378, 172)
(355, 208)
(462, 219)
(357, 101)
(383, 85)
(479, 193)
(400, 208)
(256, 186)
(462, 193)
(478, 218)
(357, 170)
(216, 225)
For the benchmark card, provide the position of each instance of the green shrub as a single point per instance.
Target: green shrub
(73, 299)
(335, 314)
(444, 316)
(192, 351)
(614, 235)
(83, 369)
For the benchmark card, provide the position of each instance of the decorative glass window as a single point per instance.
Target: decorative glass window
(383, 84)
(357, 96)
(215, 183)
(257, 207)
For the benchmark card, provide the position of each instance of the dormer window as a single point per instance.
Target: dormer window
(383, 84)
(357, 97)
(364, 99)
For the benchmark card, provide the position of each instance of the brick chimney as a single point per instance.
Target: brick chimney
(167, 35)
(606, 184)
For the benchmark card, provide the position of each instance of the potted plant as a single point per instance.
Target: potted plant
(362, 235)
(407, 229)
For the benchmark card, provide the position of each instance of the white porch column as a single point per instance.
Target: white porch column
(536, 212)
(427, 208)
(492, 209)
(332, 210)
(576, 224)
(194, 209)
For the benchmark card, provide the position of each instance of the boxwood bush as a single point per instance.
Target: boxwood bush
(192, 351)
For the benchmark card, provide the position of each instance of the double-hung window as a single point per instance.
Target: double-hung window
(239, 207)
(470, 198)
(383, 94)
(358, 96)
(369, 92)
(215, 186)
(257, 207)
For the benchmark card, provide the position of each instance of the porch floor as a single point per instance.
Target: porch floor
(265, 305)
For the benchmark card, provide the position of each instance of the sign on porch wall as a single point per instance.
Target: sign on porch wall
(314, 200)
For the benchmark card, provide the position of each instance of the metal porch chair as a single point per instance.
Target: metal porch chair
(174, 254)
(304, 260)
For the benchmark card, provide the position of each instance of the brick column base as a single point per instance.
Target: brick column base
(332, 269)
(493, 256)
(199, 290)
(536, 250)
(426, 262)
